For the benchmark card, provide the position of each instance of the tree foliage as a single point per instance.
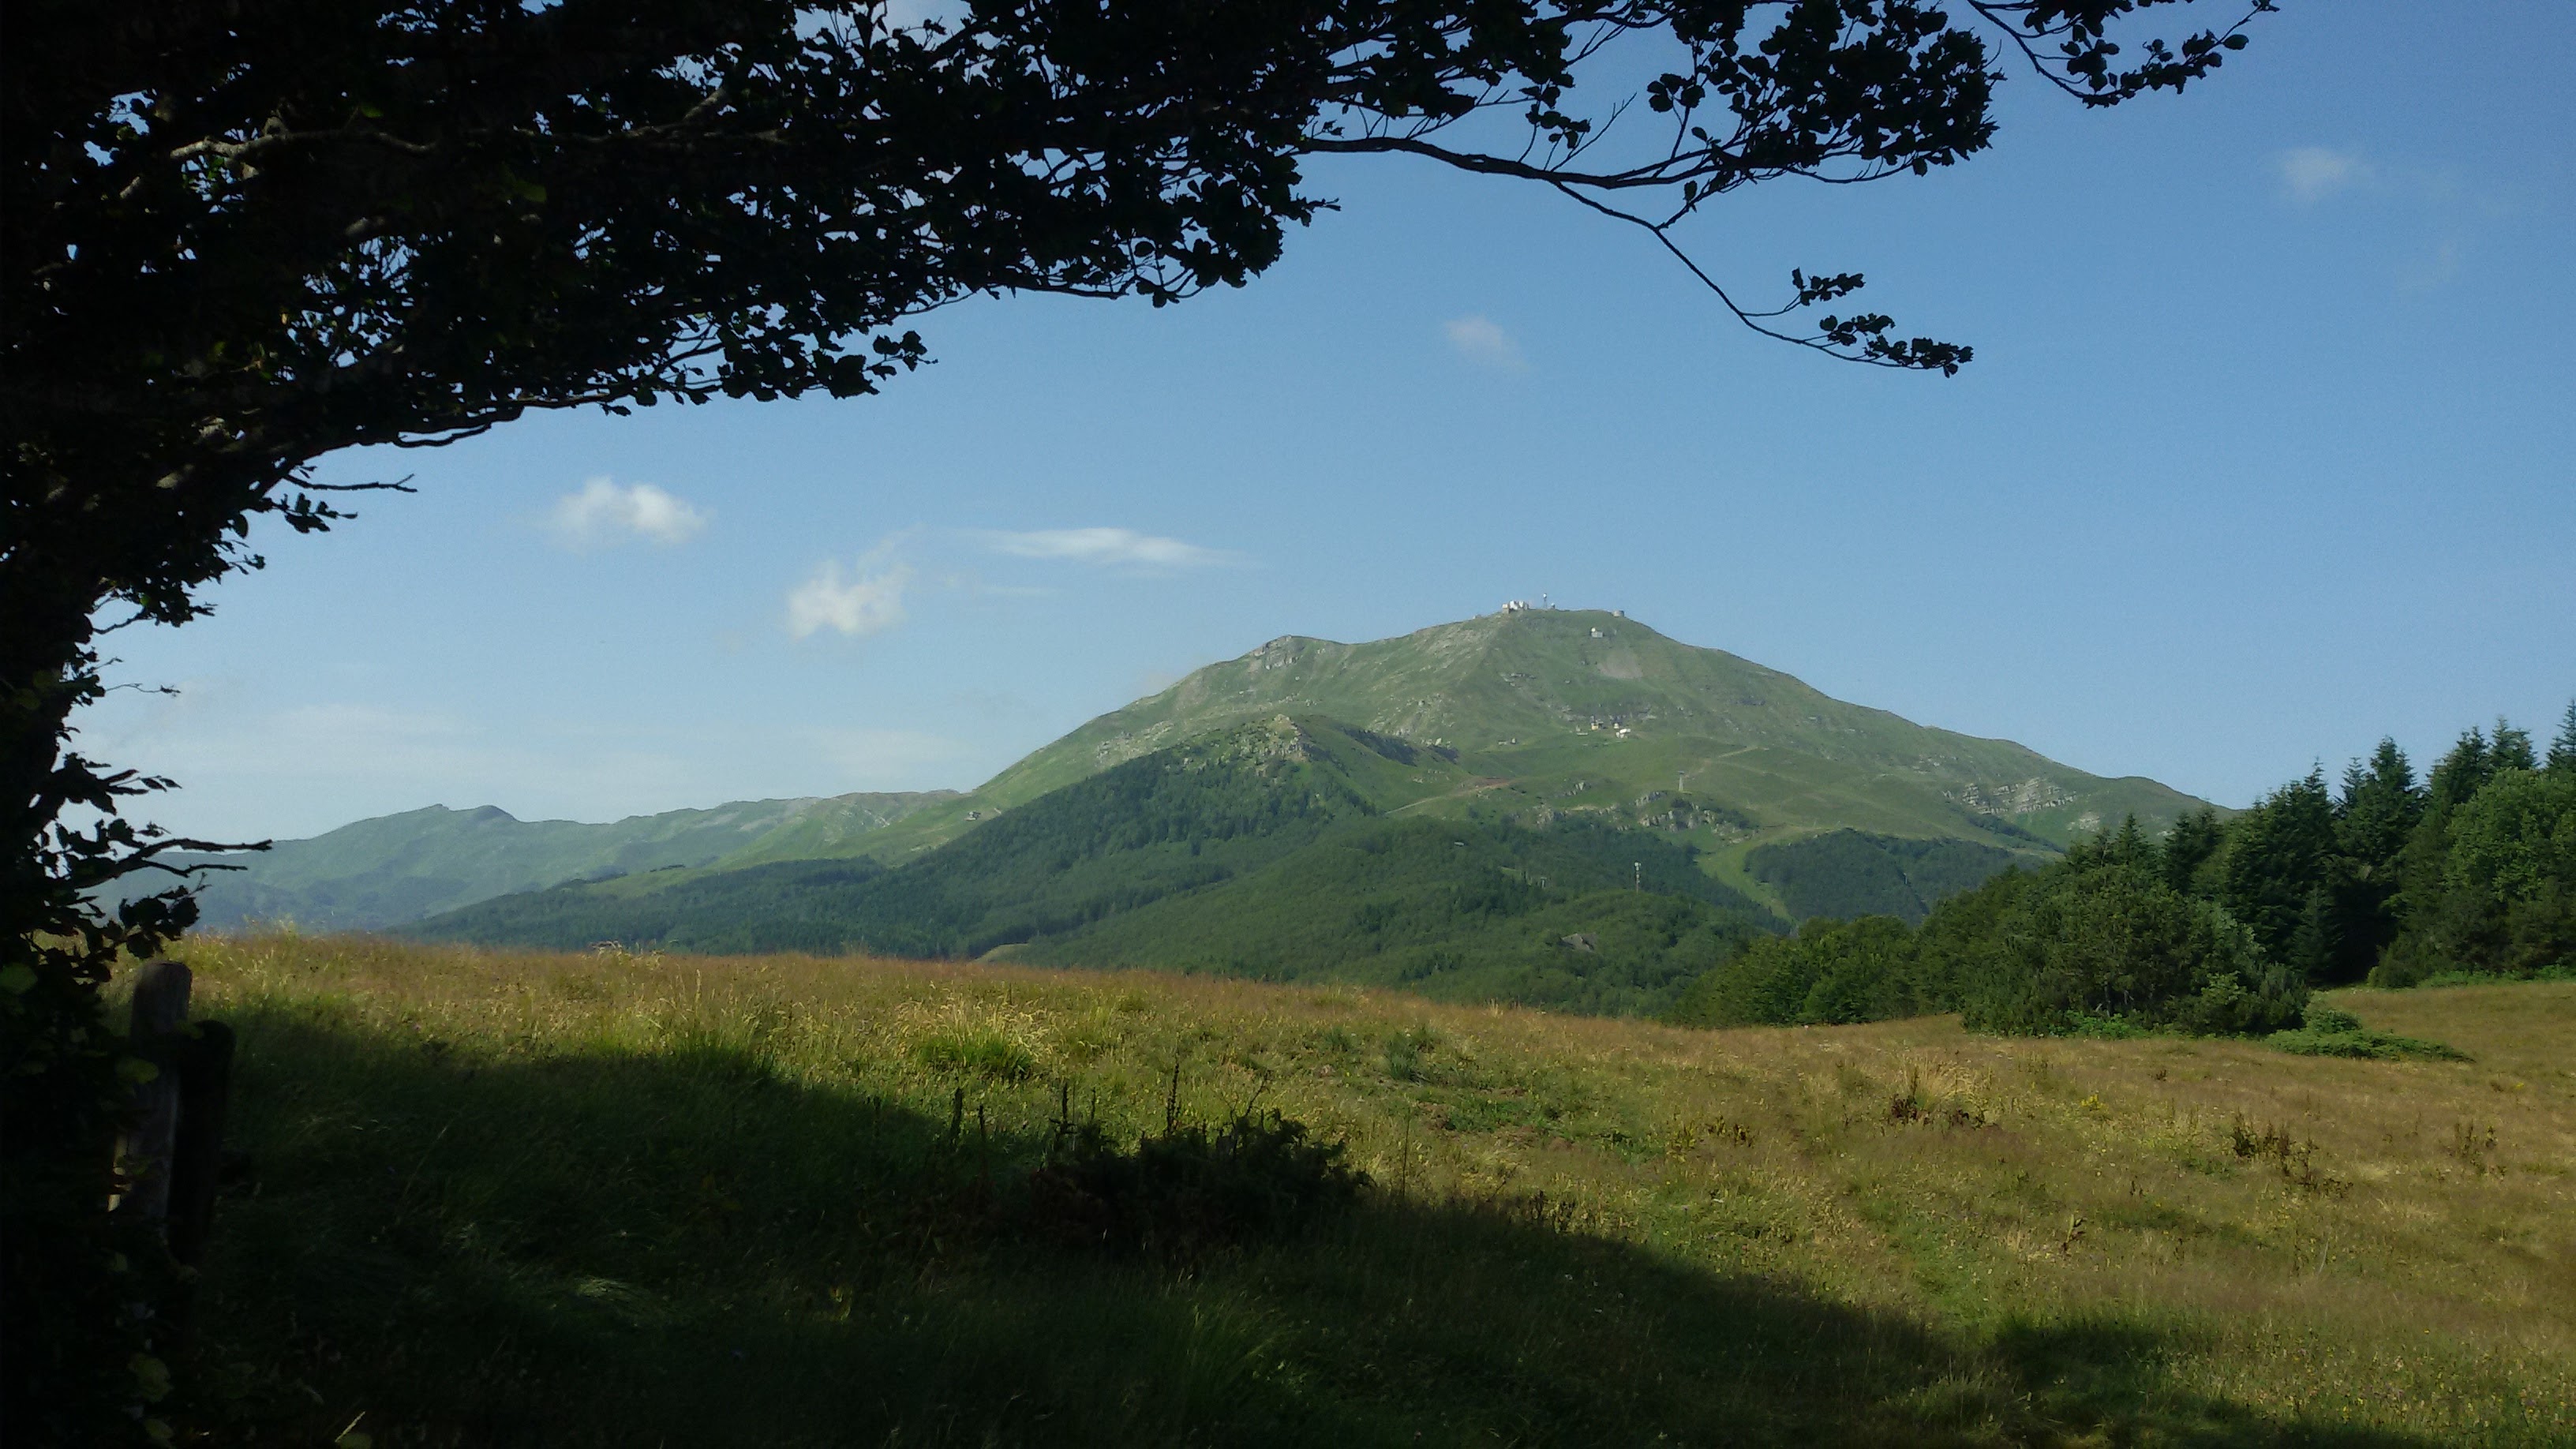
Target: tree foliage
(2097, 940)
(2113, 943)
(1847, 873)
(1829, 972)
(2225, 924)
(236, 238)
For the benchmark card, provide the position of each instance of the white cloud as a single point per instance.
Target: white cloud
(602, 514)
(1480, 339)
(2313, 173)
(870, 603)
(1106, 547)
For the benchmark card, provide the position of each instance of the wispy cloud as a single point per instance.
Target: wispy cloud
(869, 602)
(1106, 548)
(2313, 173)
(1482, 340)
(603, 514)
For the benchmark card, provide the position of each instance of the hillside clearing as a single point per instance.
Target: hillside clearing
(606, 1199)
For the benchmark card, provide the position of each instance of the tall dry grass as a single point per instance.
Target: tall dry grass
(497, 1197)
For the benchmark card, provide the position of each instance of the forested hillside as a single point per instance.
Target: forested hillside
(1854, 873)
(1573, 916)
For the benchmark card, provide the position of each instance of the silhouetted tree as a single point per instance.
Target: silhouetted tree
(237, 237)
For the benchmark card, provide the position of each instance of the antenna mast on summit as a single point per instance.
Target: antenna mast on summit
(1543, 603)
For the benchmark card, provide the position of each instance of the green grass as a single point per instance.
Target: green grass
(605, 1199)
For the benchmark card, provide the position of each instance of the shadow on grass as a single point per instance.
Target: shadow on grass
(687, 1249)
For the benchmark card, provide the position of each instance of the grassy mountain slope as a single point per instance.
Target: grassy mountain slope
(397, 868)
(1279, 849)
(1579, 712)
(505, 1200)
(1182, 818)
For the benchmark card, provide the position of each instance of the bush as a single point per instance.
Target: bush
(1830, 972)
(2331, 1033)
(1188, 1190)
(2117, 943)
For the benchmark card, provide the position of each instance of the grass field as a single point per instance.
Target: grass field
(507, 1199)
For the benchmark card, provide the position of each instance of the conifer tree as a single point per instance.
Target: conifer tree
(2129, 848)
(2277, 855)
(2438, 926)
(2189, 848)
(2315, 946)
(2562, 750)
(2378, 810)
(2458, 774)
(2512, 750)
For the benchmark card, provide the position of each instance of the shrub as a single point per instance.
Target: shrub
(2331, 1033)
(2114, 942)
(1188, 1190)
(1830, 972)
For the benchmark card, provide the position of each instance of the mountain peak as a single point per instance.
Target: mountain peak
(1556, 704)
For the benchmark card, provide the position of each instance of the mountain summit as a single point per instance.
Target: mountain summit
(1569, 751)
(1557, 712)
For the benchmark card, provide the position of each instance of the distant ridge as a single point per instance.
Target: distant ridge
(392, 869)
(1279, 849)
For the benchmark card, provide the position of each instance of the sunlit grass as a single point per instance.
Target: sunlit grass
(571, 1199)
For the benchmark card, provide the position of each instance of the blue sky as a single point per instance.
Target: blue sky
(2269, 450)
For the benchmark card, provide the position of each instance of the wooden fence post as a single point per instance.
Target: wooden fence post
(197, 1157)
(160, 1014)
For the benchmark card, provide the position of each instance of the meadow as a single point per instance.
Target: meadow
(494, 1198)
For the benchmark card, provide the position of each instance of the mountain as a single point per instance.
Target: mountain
(1279, 849)
(1308, 808)
(397, 868)
(1588, 714)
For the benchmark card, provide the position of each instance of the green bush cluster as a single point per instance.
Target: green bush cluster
(2223, 925)
(1189, 1189)
(2493, 884)
(2093, 944)
(2115, 943)
(2331, 1033)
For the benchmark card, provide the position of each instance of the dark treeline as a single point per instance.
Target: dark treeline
(2223, 925)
